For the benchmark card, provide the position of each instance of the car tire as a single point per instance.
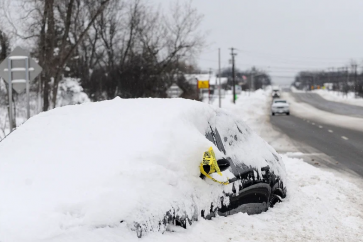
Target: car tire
(273, 114)
(288, 113)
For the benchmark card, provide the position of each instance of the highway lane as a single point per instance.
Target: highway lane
(334, 107)
(344, 145)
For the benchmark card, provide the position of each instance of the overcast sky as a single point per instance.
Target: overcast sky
(282, 36)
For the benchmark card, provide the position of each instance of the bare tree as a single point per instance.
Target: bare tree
(50, 22)
(116, 47)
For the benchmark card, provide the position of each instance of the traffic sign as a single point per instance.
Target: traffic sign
(18, 69)
(18, 59)
(174, 91)
(203, 84)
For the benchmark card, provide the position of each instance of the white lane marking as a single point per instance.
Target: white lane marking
(313, 123)
(330, 131)
(320, 126)
(343, 137)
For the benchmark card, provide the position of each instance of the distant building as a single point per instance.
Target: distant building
(213, 80)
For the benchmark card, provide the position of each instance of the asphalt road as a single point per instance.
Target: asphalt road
(344, 145)
(334, 107)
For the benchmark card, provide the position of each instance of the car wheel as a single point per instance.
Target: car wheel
(273, 114)
(288, 113)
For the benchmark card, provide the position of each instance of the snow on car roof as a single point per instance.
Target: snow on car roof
(96, 164)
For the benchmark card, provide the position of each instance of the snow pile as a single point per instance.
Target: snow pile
(336, 96)
(252, 107)
(319, 207)
(88, 167)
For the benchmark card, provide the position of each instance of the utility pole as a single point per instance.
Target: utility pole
(233, 76)
(210, 75)
(252, 80)
(219, 77)
(355, 80)
(346, 82)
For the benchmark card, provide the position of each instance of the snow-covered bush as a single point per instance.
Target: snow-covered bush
(71, 92)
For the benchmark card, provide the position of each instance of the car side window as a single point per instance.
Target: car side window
(213, 136)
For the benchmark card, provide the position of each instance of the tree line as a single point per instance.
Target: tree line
(115, 47)
(247, 79)
(344, 79)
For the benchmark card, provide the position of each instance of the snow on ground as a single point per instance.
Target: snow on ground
(306, 111)
(336, 96)
(319, 206)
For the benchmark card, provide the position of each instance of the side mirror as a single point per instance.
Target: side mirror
(223, 164)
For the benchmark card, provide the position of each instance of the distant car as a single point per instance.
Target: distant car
(276, 93)
(280, 106)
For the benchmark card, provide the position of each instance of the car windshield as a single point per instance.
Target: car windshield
(280, 101)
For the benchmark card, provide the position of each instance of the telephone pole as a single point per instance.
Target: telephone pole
(219, 77)
(210, 74)
(233, 75)
(252, 80)
(355, 79)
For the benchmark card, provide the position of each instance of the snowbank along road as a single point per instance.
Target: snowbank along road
(334, 107)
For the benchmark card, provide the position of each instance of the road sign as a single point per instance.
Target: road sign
(18, 58)
(174, 91)
(203, 84)
(18, 69)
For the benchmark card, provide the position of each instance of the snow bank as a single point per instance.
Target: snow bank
(335, 96)
(251, 107)
(306, 111)
(319, 207)
(88, 167)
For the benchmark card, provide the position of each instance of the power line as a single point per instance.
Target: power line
(299, 57)
(292, 67)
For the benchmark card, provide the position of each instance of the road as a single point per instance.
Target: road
(333, 107)
(344, 145)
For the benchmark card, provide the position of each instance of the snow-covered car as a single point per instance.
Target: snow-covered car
(134, 163)
(280, 106)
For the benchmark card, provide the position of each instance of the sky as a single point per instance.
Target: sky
(281, 37)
